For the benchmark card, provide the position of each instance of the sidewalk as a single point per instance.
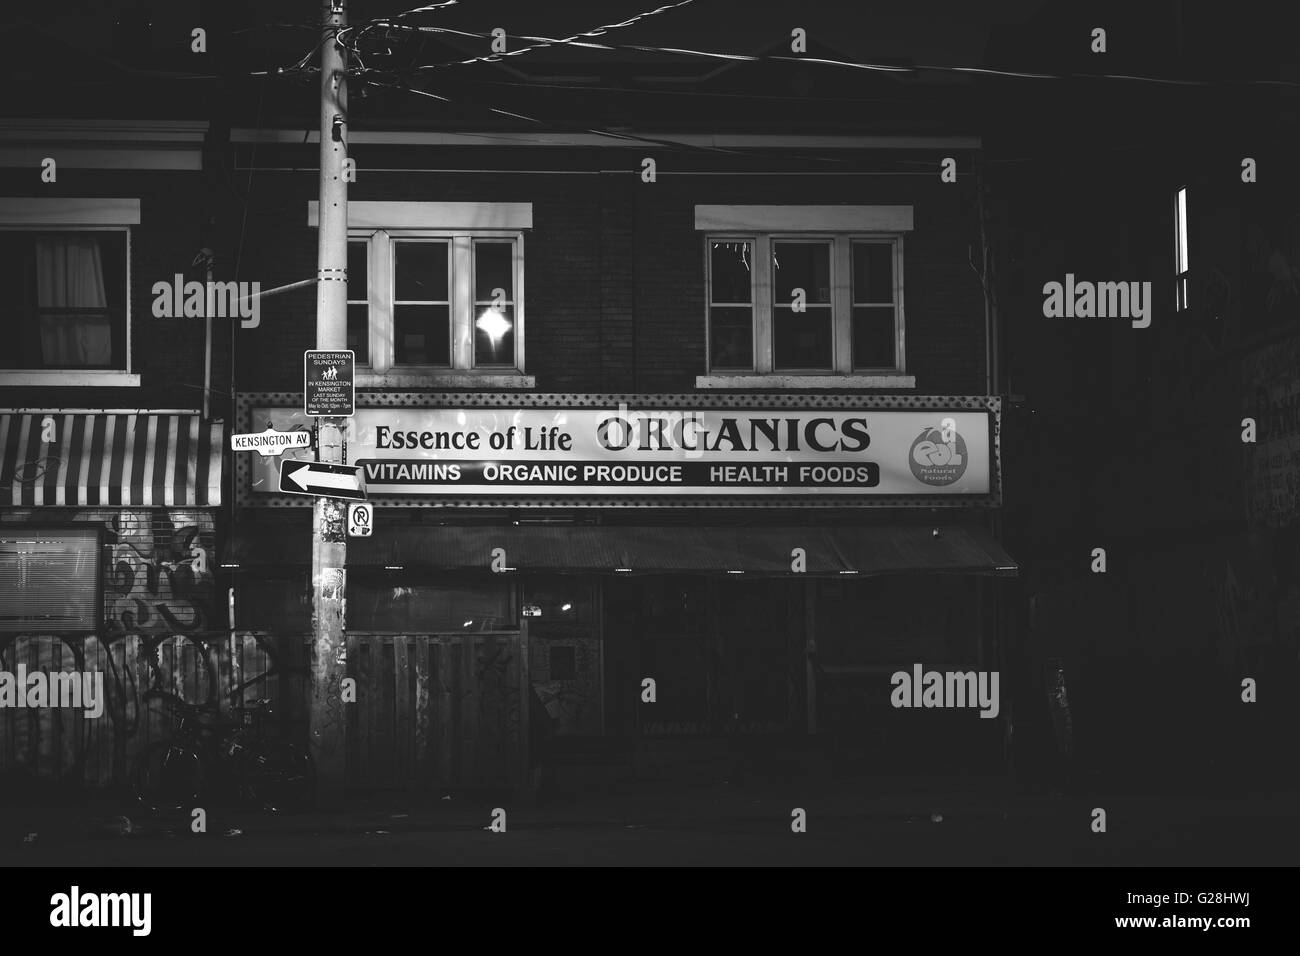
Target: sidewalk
(928, 802)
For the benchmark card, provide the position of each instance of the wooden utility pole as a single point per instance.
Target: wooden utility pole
(329, 533)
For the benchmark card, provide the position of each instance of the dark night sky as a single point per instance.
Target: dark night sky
(921, 29)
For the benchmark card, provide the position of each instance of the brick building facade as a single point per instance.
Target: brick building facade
(770, 616)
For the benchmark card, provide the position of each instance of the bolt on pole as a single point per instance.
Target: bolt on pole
(329, 539)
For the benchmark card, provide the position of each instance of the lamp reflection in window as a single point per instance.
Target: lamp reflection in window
(495, 326)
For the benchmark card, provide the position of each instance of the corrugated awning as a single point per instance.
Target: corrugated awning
(131, 460)
(662, 549)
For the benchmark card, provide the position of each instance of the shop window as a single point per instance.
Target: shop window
(66, 300)
(566, 603)
(408, 602)
(51, 580)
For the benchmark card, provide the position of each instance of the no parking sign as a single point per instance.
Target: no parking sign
(361, 520)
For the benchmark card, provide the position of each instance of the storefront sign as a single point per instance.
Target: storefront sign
(716, 452)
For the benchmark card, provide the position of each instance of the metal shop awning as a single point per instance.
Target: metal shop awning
(131, 460)
(641, 550)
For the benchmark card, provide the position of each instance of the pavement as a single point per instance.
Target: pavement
(861, 821)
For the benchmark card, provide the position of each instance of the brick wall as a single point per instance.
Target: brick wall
(614, 281)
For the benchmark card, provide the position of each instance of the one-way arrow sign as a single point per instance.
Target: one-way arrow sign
(319, 478)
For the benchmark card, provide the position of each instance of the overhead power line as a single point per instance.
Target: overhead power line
(583, 41)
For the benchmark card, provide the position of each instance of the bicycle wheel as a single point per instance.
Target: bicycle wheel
(277, 775)
(167, 776)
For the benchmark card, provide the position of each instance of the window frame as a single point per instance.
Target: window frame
(74, 377)
(381, 262)
(762, 292)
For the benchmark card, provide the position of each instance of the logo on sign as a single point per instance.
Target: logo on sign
(938, 455)
(361, 520)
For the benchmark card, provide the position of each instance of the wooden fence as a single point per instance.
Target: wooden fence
(431, 711)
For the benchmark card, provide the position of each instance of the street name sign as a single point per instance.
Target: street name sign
(270, 442)
(321, 479)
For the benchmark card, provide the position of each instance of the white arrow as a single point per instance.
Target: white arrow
(323, 479)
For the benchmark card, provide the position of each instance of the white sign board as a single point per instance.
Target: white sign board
(270, 442)
(361, 520)
(725, 453)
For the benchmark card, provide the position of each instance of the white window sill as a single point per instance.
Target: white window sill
(67, 377)
(806, 381)
(442, 378)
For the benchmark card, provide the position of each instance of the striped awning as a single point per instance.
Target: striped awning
(54, 459)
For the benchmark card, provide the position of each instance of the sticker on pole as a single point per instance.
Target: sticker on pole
(270, 442)
(329, 383)
(361, 520)
(319, 478)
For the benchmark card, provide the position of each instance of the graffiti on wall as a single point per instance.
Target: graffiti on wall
(159, 578)
(159, 636)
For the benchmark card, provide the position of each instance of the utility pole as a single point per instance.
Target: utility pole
(329, 538)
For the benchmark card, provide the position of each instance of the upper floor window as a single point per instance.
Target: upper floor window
(434, 303)
(435, 300)
(67, 290)
(793, 304)
(805, 298)
(66, 298)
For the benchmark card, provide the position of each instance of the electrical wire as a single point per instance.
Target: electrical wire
(596, 131)
(626, 137)
(707, 94)
(540, 42)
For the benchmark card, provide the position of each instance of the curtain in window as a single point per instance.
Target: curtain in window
(70, 275)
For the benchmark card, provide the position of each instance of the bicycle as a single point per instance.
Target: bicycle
(264, 770)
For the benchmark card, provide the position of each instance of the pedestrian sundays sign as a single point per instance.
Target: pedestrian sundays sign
(329, 388)
(423, 455)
